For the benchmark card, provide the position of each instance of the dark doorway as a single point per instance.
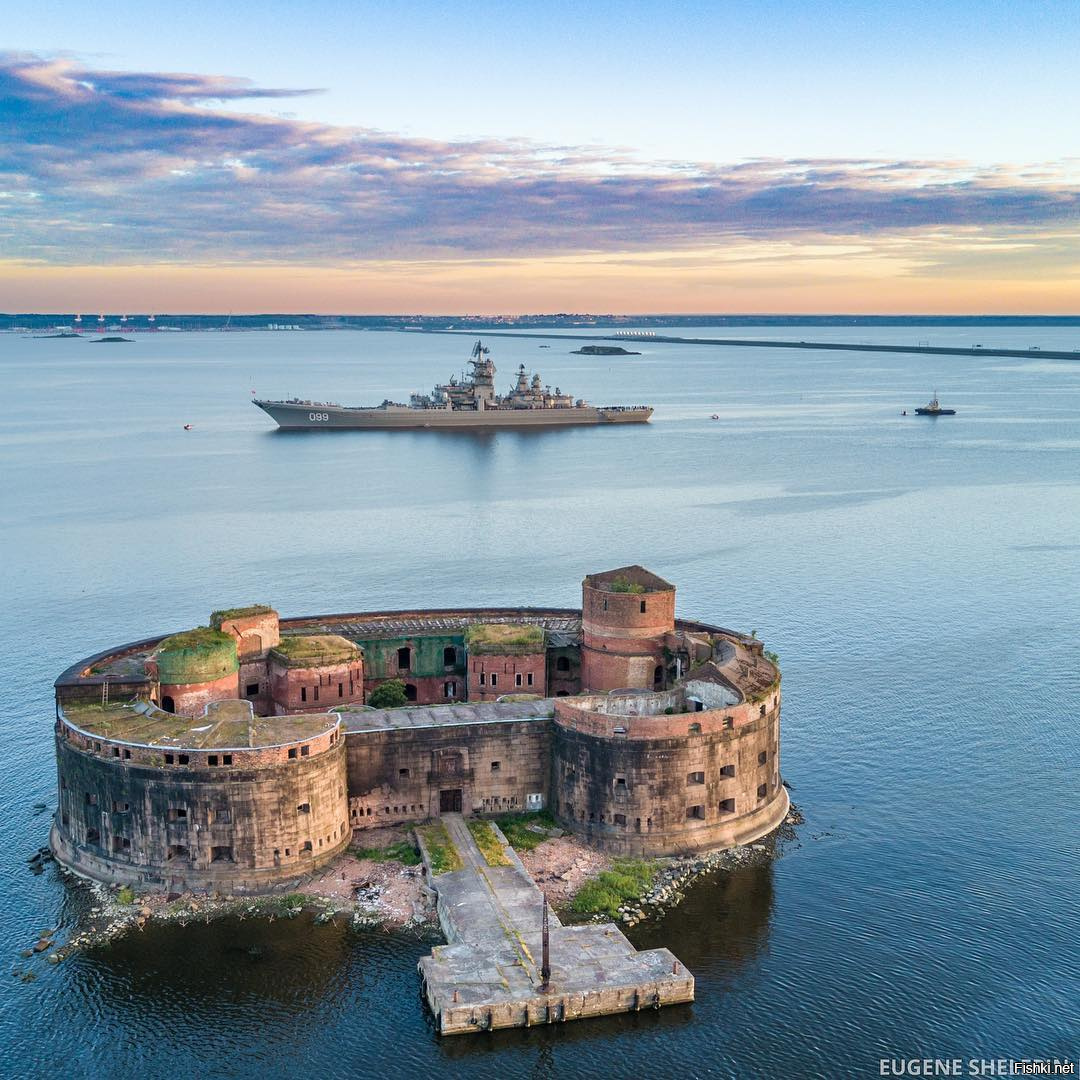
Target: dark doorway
(450, 801)
(168, 704)
(410, 692)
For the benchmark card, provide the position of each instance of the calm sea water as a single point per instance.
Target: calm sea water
(918, 578)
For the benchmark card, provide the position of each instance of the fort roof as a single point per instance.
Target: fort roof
(200, 638)
(504, 639)
(315, 650)
(478, 712)
(634, 579)
(225, 614)
(224, 725)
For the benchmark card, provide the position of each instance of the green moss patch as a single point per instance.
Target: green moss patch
(489, 844)
(196, 640)
(440, 848)
(624, 585)
(403, 852)
(504, 639)
(515, 827)
(628, 879)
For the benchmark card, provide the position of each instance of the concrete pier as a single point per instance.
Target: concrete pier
(489, 974)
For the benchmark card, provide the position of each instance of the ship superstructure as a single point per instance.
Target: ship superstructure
(467, 401)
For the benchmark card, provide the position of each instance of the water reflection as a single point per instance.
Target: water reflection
(721, 927)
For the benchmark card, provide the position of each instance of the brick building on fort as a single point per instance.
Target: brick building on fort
(241, 755)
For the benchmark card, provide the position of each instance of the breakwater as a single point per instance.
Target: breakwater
(755, 343)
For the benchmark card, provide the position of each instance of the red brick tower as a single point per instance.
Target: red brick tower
(625, 615)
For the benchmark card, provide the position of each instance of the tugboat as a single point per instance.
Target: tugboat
(934, 409)
(460, 404)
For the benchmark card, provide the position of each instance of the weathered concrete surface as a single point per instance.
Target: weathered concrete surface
(489, 974)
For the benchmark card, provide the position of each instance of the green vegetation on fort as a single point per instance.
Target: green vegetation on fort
(304, 650)
(626, 880)
(225, 614)
(125, 895)
(200, 639)
(388, 695)
(504, 639)
(403, 852)
(519, 835)
(489, 844)
(625, 585)
(440, 848)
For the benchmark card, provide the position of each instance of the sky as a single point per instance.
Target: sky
(766, 156)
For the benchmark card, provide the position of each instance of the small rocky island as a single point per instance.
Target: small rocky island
(604, 350)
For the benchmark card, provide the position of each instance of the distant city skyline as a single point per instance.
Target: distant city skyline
(638, 157)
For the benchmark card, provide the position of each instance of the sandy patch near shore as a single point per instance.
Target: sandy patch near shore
(395, 892)
(561, 865)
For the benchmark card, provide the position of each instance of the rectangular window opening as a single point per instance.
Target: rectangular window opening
(727, 806)
(695, 813)
(252, 689)
(695, 778)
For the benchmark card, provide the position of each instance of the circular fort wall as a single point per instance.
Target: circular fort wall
(241, 820)
(668, 784)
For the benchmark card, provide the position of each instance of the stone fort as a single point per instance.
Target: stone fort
(240, 756)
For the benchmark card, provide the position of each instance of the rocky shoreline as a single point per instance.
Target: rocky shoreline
(385, 894)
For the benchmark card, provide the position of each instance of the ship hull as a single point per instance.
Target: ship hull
(935, 412)
(303, 417)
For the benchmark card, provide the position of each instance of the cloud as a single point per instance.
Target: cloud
(113, 167)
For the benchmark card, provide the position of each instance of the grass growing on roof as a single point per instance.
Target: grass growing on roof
(218, 617)
(515, 827)
(444, 856)
(504, 638)
(628, 879)
(624, 585)
(316, 649)
(488, 843)
(201, 637)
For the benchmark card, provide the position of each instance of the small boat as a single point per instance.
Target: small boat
(715, 416)
(934, 409)
(187, 427)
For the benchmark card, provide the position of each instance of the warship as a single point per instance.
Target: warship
(462, 403)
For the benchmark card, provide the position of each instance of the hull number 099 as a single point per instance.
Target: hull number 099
(318, 416)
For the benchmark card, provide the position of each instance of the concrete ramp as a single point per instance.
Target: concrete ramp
(489, 974)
